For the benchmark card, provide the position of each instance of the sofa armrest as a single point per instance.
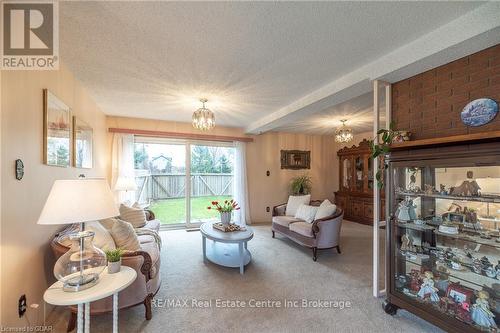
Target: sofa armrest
(279, 210)
(128, 259)
(327, 230)
(316, 223)
(149, 215)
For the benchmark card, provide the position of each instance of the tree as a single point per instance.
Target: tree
(141, 157)
(62, 155)
(202, 160)
(225, 165)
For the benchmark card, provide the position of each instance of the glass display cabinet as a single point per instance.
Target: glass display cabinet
(443, 239)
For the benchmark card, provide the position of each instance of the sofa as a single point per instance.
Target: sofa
(321, 234)
(146, 262)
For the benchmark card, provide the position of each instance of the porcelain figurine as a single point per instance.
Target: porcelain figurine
(429, 189)
(407, 244)
(481, 313)
(427, 288)
(468, 188)
(406, 210)
(442, 189)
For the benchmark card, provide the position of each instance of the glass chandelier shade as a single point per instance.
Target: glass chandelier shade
(343, 134)
(203, 118)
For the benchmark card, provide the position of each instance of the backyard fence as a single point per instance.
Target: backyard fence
(170, 186)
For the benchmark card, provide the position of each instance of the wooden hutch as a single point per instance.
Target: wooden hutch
(356, 184)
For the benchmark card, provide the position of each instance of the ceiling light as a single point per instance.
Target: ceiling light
(203, 118)
(343, 134)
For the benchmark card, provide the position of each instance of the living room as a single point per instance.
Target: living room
(243, 166)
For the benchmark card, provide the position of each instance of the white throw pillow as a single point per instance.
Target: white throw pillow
(124, 235)
(325, 209)
(102, 237)
(294, 202)
(135, 216)
(306, 213)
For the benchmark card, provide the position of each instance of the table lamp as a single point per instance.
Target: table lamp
(125, 184)
(79, 201)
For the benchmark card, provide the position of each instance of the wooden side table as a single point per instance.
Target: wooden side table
(109, 284)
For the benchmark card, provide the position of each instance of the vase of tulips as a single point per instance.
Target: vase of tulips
(225, 209)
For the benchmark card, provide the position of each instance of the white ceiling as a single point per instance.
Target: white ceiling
(357, 111)
(250, 59)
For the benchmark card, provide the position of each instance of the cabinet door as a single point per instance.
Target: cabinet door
(346, 172)
(341, 202)
(359, 173)
(357, 208)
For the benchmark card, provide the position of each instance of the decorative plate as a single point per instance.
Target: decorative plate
(479, 112)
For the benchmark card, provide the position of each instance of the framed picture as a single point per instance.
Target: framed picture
(56, 131)
(83, 139)
(459, 294)
(455, 217)
(295, 159)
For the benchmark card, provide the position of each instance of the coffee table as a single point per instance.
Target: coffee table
(228, 249)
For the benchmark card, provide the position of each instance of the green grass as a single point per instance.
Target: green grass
(172, 211)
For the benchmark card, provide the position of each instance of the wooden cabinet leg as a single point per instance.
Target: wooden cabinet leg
(147, 305)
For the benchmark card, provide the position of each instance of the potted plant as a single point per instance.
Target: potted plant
(225, 209)
(301, 185)
(382, 148)
(114, 260)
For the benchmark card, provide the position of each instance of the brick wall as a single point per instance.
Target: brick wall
(429, 104)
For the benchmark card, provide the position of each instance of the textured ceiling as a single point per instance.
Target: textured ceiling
(358, 112)
(155, 59)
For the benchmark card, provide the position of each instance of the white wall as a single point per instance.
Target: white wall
(26, 258)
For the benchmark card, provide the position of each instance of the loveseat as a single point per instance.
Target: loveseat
(321, 234)
(145, 261)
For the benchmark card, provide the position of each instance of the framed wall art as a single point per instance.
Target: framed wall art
(56, 131)
(295, 159)
(83, 139)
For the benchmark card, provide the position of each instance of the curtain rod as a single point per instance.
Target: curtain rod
(191, 136)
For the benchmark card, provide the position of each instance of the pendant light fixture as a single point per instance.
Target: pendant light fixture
(203, 118)
(343, 134)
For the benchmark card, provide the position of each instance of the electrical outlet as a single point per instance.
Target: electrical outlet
(268, 209)
(22, 305)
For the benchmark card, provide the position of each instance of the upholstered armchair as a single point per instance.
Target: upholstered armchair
(321, 234)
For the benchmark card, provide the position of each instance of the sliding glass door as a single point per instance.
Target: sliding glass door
(211, 179)
(179, 179)
(160, 170)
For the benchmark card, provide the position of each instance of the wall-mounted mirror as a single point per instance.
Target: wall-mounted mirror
(56, 130)
(82, 144)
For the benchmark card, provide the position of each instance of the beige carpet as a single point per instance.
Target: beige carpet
(279, 270)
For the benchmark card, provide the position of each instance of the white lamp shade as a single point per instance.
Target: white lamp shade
(125, 184)
(76, 201)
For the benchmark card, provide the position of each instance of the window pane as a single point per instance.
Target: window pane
(211, 180)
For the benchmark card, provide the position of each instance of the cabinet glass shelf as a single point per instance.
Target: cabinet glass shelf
(483, 198)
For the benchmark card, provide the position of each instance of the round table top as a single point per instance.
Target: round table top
(107, 285)
(225, 237)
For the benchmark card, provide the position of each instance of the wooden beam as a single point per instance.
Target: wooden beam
(177, 135)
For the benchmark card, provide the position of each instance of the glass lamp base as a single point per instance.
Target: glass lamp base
(81, 282)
